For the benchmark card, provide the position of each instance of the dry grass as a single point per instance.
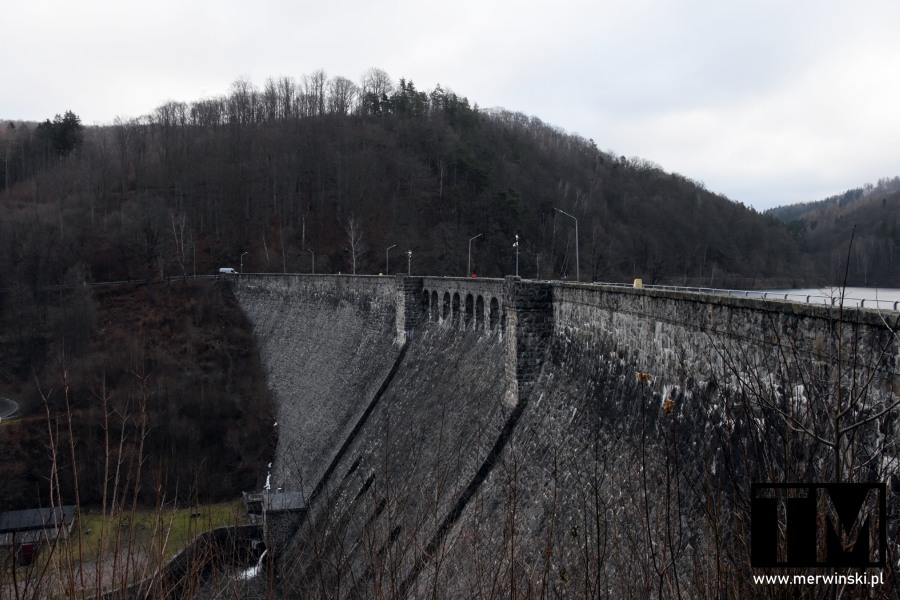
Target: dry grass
(92, 557)
(169, 528)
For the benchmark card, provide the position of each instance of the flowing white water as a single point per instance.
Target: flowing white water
(251, 572)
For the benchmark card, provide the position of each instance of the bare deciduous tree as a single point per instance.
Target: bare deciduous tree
(377, 81)
(355, 246)
(341, 95)
(179, 224)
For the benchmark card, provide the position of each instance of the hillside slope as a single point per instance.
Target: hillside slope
(234, 180)
(869, 216)
(166, 399)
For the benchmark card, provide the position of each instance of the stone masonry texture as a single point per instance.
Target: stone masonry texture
(557, 448)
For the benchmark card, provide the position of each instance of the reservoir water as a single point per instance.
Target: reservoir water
(880, 298)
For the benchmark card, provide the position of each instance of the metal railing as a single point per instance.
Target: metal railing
(781, 295)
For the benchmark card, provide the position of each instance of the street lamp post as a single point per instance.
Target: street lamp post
(242, 263)
(577, 266)
(265, 506)
(516, 246)
(387, 259)
(313, 254)
(469, 265)
(408, 262)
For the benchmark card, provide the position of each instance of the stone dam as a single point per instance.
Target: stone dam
(463, 438)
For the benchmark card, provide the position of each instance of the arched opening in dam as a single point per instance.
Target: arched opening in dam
(495, 314)
(479, 313)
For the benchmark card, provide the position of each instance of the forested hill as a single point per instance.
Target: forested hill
(326, 169)
(794, 212)
(869, 214)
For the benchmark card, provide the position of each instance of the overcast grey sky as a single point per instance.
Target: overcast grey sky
(766, 102)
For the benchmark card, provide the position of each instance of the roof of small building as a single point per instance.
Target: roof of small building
(275, 501)
(36, 518)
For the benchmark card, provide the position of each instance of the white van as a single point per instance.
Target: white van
(227, 271)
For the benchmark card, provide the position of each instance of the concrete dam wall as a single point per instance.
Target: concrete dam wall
(326, 346)
(507, 438)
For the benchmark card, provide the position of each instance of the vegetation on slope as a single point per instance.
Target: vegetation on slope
(165, 397)
(794, 212)
(324, 170)
(823, 230)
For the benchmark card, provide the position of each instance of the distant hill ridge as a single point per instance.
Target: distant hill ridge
(792, 212)
(859, 229)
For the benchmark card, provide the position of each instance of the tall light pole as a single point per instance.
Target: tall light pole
(409, 262)
(387, 259)
(265, 506)
(313, 254)
(242, 263)
(469, 265)
(516, 246)
(577, 269)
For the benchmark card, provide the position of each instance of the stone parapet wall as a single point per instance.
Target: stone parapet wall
(682, 335)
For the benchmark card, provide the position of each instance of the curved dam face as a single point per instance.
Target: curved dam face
(517, 439)
(326, 347)
(404, 474)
